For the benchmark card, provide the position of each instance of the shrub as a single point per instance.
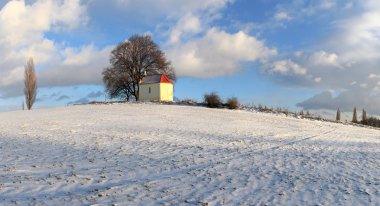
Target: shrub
(188, 101)
(374, 122)
(232, 103)
(212, 100)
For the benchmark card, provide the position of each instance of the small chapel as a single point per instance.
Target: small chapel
(156, 87)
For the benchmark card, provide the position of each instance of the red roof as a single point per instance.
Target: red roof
(165, 79)
(158, 78)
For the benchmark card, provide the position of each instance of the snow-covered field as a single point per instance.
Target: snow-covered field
(142, 154)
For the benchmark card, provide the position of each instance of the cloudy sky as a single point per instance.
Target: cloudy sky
(299, 54)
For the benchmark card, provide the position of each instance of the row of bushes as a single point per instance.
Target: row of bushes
(373, 121)
(213, 100)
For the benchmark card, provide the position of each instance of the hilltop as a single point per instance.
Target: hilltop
(148, 154)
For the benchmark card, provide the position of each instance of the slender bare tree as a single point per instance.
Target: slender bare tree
(338, 115)
(130, 62)
(355, 116)
(30, 83)
(364, 117)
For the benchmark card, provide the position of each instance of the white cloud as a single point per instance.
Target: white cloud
(349, 5)
(22, 24)
(374, 76)
(359, 39)
(281, 16)
(22, 35)
(324, 58)
(355, 46)
(327, 4)
(188, 24)
(56, 63)
(198, 49)
(287, 67)
(346, 100)
(217, 53)
(298, 54)
(79, 66)
(83, 56)
(364, 85)
(195, 48)
(14, 75)
(174, 8)
(170, 10)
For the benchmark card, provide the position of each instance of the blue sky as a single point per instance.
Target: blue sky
(298, 54)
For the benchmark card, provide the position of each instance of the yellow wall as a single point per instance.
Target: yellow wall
(158, 92)
(166, 94)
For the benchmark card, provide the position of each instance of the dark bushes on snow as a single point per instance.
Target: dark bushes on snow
(373, 121)
(212, 100)
(232, 103)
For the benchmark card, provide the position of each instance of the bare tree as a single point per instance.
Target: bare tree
(364, 117)
(338, 115)
(130, 62)
(118, 84)
(30, 83)
(355, 116)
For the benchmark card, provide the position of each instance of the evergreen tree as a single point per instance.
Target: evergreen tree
(364, 117)
(355, 117)
(338, 115)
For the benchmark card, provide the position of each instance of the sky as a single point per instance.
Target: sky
(299, 54)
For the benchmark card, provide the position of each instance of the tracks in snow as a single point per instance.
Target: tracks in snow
(251, 152)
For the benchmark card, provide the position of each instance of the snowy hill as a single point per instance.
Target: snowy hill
(136, 154)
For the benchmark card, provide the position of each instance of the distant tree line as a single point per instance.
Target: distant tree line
(370, 121)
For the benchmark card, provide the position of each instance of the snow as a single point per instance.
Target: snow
(146, 154)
